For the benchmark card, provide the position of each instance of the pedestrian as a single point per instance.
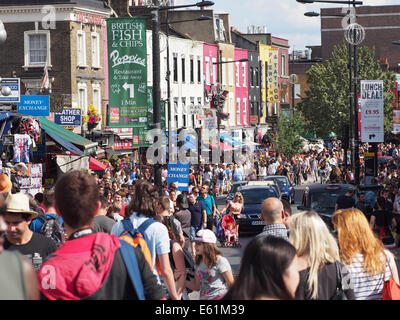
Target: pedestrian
(176, 259)
(36, 247)
(49, 212)
(198, 219)
(101, 222)
(209, 203)
(382, 221)
(273, 215)
(18, 280)
(268, 271)
(90, 264)
(184, 216)
(114, 210)
(5, 185)
(144, 206)
(234, 208)
(213, 273)
(175, 224)
(369, 263)
(346, 200)
(318, 254)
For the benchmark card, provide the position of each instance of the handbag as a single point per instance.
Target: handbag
(339, 294)
(391, 290)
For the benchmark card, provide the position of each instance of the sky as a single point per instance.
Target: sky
(283, 18)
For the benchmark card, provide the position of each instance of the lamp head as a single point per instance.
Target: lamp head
(204, 4)
(312, 14)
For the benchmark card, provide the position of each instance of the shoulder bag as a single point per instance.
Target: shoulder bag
(339, 294)
(391, 290)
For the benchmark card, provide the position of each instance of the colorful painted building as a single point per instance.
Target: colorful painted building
(241, 88)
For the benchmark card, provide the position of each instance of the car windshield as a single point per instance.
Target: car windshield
(257, 196)
(324, 200)
(282, 182)
(235, 187)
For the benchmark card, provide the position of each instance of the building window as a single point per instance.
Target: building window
(283, 62)
(214, 71)
(237, 111)
(223, 73)
(257, 76)
(183, 70)
(95, 37)
(252, 76)
(245, 111)
(82, 97)
(97, 97)
(231, 72)
(191, 70)
(244, 74)
(37, 48)
(175, 68)
(81, 49)
(237, 75)
(199, 70)
(208, 80)
(176, 112)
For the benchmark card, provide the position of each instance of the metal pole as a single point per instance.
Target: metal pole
(351, 127)
(293, 84)
(168, 78)
(356, 144)
(156, 85)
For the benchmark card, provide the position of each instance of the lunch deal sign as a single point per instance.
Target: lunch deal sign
(127, 65)
(372, 111)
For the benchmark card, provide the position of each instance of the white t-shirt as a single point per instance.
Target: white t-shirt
(367, 287)
(156, 236)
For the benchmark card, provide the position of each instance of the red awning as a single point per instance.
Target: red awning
(96, 165)
(224, 146)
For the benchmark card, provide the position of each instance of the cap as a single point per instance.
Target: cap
(206, 236)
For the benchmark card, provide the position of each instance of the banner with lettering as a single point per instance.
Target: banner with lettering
(273, 83)
(127, 65)
(372, 111)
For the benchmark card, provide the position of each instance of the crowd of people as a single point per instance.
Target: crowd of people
(90, 236)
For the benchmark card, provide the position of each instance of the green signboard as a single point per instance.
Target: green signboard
(127, 72)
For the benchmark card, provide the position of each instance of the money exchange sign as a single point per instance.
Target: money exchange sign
(127, 63)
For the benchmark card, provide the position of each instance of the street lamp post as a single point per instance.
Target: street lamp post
(219, 80)
(353, 38)
(155, 10)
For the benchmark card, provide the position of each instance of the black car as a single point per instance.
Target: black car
(235, 186)
(321, 198)
(250, 217)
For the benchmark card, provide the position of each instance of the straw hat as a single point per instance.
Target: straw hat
(19, 203)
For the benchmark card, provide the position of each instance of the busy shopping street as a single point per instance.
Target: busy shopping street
(206, 152)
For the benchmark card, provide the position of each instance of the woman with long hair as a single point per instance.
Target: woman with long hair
(317, 251)
(213, 273)
(268, 271)
(370, 265)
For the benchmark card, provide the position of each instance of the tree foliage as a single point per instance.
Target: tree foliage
(326, 106)
(288, 137)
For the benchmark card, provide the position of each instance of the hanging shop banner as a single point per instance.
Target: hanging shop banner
(178, 173)
(71, 117)
(127, 65)
(372, 115)
(273, 77)
(34, 105)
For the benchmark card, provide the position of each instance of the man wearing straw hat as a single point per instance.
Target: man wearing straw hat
(36, 247)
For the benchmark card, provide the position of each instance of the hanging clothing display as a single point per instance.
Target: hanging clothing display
(22, 145)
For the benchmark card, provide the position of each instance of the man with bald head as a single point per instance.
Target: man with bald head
(274, 216)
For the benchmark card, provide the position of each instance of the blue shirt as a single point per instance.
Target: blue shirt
(208, 203)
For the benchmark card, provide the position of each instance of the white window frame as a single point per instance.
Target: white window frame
(244, 111)
(83, 87)
(237, 74)
(244, 75)
(231, 72)
(81, 61)
(283, 62)
(214, 71)
(223, 74)
(27, 62)
(238, 111)
(208, 76)
(231, 107)
(95, 42)
(96, 90)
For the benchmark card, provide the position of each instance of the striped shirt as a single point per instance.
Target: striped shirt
(278, 230)
(366, 286)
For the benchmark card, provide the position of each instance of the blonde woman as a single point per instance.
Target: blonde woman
(367, 260)
(317, 251)
(235, 208)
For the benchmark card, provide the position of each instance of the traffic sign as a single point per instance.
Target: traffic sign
(372, 114)
(178, 173)
(14, 85)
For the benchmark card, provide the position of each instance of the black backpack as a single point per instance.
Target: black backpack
(52, 229)
(221, 175)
